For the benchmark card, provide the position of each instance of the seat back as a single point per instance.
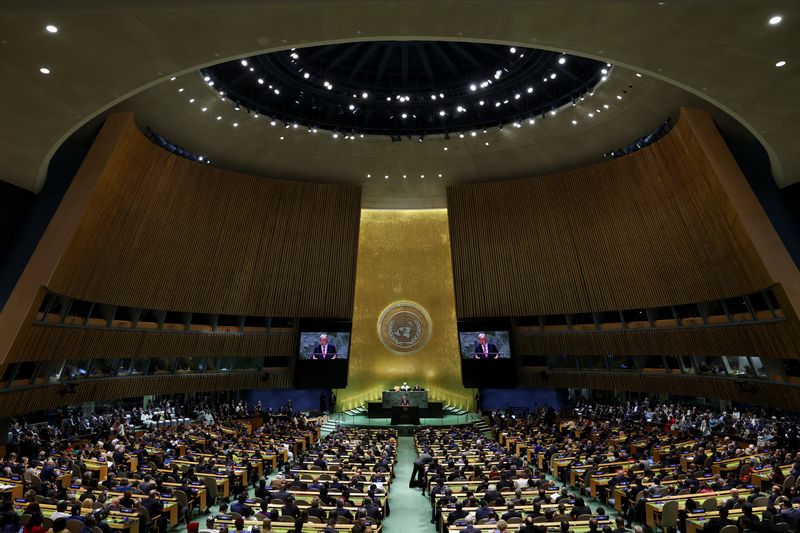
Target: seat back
(710, 504)
(669, 514)
(729, 529)
(74, 526)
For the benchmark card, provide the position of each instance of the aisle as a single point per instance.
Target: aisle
(410, 510)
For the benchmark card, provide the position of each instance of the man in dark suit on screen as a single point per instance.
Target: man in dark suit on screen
(485, 349)
(324, 350)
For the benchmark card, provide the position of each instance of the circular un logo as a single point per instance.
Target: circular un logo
(404, 327)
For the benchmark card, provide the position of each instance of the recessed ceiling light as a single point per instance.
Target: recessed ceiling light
(44, 70)
(486, 143)
(204, 109)
(445, 148)
(562, 60)
(191, 100)
(244, 62)
(364, 95)
(775, 20)
(54, 29)
(604, 71)
(638, 75)
(591, 115)
(441, 113)
(369, 175)
(440, 175)
(260, 81)
(180, 90)
(481, 102)
(553, 76)
(422, 176)
(512, 50)
(335, 135)
(472, 133)
(404, 115)
(530, 90)
(460, 135)
(532, 122)
(219, 117)
(173, 78)
(574, 122)
(605, 106)
(206, 78)
(282, 137)
(235, 124)
(404, 176)
(473, 87)
(351, 107)
(619, 97)
(779, 64)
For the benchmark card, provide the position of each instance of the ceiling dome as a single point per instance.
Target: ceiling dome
(399, 88)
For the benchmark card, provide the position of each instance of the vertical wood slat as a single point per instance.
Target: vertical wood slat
(650, 229)
(163, 232)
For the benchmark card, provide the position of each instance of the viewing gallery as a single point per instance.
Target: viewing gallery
(371, 266)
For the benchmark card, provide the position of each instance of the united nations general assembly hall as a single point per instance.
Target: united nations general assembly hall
(407, 266)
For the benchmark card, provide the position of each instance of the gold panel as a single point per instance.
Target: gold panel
(404, 255)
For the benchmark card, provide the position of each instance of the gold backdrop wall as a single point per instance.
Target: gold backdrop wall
(404, 256)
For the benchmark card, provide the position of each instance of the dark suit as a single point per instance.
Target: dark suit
(330, 352)
(491, 348)
(716, 524)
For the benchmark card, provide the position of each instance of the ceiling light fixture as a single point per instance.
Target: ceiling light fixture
(773, 21)
(54, 29)
(44, 70)
(562, 60)
(780, 63)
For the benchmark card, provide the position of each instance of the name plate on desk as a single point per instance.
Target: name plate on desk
(416, 398)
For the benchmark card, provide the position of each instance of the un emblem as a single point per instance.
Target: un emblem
(404, 327)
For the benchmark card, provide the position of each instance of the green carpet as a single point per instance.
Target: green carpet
(411, 511)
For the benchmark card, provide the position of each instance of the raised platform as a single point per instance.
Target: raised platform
(357, 417)
(433, 410)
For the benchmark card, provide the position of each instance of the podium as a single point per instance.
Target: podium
(393, 398)
(405, 414)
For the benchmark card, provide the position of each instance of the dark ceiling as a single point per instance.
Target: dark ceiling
(399, 88)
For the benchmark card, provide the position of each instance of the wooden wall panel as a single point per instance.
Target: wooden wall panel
(778, 395)
(52, 342)
(44, 397)
(163, 232)
(650, 229)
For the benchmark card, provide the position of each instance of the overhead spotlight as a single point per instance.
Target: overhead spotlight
(605, 106)
(260, 81)
(473, 87)
(441, 95)
(421, 137)
(422, 176)
(404, 176)
(441, 113)
(206, 79)
(191, 100)
(433, 97)
(219, 117)
(638, 75)
(404, 115)
(335, 135)
(440, 175)
(590, 115)
(486, 143)
(365, 95)
(553, 76)
(180, 90)
(173, 78)
(351, 107)
(562, 60)
(204, 109)
(386, 177)
(780, 63)
(277, 91)
(619, 97)
(574, 122)
(445, 148)
(369, 175)
(306, 75)
(236, 108)
(517, 96)
(273, 123)
(530, 90)
(473, 133)
(517, 125)
(773, 21)
(553, 112)
(532, 121)
(53, 29)
(294, 125)
(512, 50)
(604, 71)
(44, 70)
(235, 124)
(481, 102)
(460, 135)
(244, 62)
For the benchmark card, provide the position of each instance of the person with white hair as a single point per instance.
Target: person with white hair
(324, 350)
(485, 349)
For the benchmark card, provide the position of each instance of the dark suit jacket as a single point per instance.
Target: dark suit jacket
(318, 352)
(492, 349)
(716, 524)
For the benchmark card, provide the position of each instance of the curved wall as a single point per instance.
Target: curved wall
(650, 229)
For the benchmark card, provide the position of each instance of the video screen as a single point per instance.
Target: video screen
(324, 345)
(485, 345)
